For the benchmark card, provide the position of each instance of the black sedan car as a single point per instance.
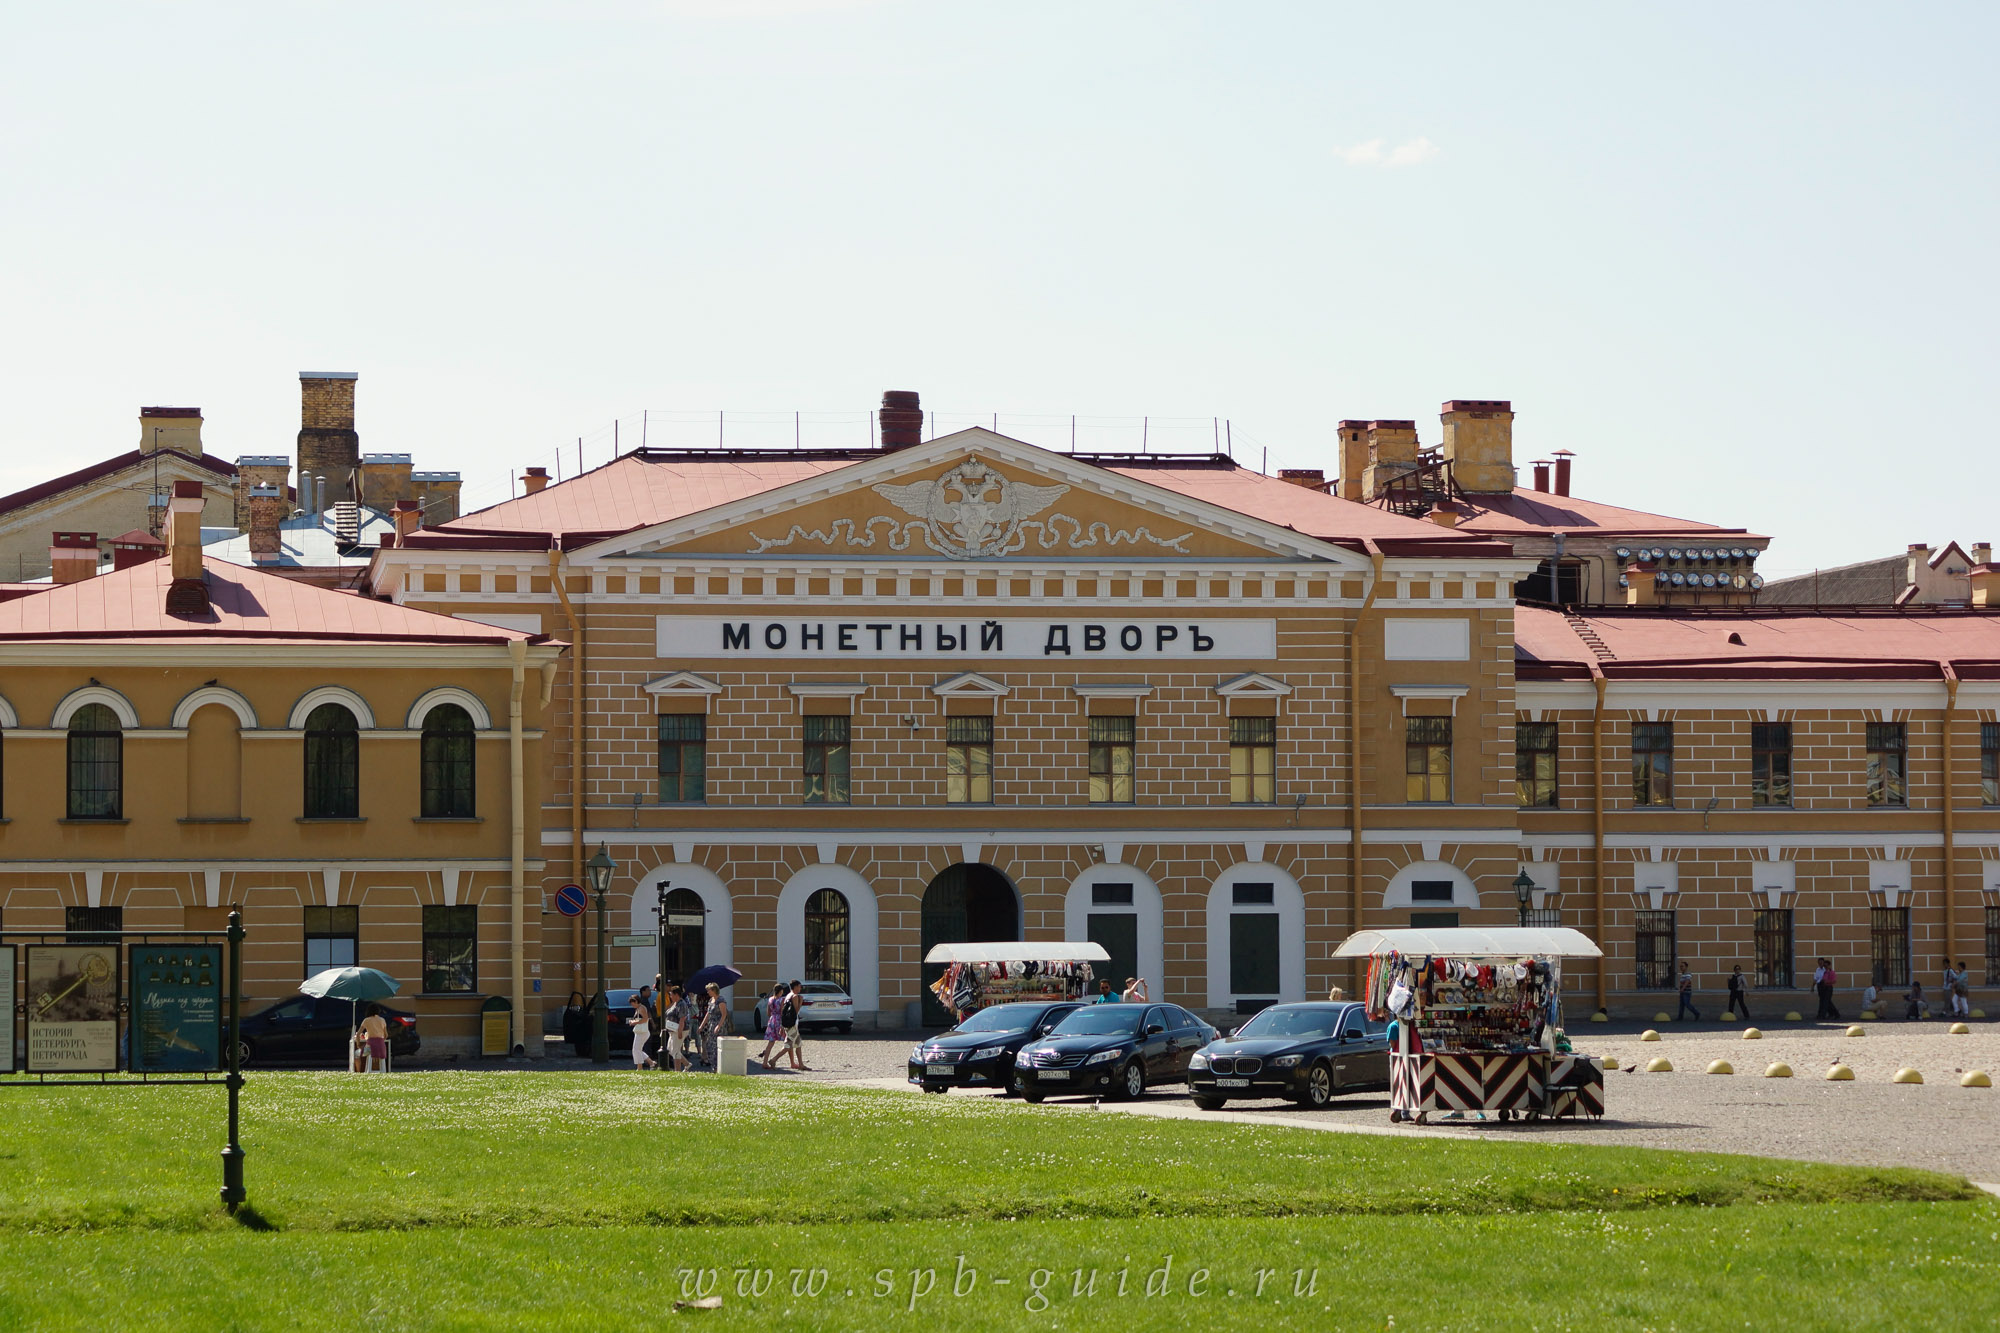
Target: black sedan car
(304, 1030)
(1111, 1050)
(1306, 1052)
(979, 1053)
(576, 1023)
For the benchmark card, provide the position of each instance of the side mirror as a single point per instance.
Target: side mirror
(1154, 1029)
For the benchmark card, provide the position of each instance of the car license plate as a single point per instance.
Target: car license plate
(1232, 1083)
(1054, 1073)
(937, 1069)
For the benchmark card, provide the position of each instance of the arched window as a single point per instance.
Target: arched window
(96, 764)
(333, 763)
(827, 937)
(448, 741)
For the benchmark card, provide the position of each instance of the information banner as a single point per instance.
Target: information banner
(7, 999)
(176, 1008)
(73, 1008)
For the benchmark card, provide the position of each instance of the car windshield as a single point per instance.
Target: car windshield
(1102, 1020)
(1301, 1023)
(1001, 1018)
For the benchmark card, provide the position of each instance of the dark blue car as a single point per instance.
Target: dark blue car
(1113, 1051)
(1308, 1053)
(979, 1053)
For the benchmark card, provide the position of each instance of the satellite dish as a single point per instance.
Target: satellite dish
(1741, 583)
(1708, 553)
(1624, 553)
(1756, 580)
(1624, 581)
(1708, 580)
(1679, 578)
(1673, 553)
(1737, 552)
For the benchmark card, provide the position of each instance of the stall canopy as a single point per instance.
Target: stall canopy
(1470, 942)
(1019, 951)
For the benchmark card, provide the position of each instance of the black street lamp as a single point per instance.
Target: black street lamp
(661, 978)
(600, 868)
(1524, 894)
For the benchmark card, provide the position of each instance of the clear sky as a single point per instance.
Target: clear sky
(1740, 258)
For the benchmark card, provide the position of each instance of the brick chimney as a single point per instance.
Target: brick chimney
(1353, 458)
(1312, 478)
(1982, 553)
(1985, 585)
(72, 557)
(252, 471)
(385, 479)
(1478, 444)
(267, 514)
(170, 428)
(1915, 566)
(1541, 466)
(901, 420)
(409, 516)
(534, 480)
(328, 444)
(135, 548)
(187, 595)
(1642, 585)
(1392, 451)
(437, 492)
(1562, 470)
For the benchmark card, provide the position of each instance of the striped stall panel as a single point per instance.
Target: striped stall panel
(1457, 1082)
(1576, 1086)
(1512, 1083)
(1409, 1083)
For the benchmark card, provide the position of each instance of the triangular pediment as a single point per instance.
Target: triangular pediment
(971, 496)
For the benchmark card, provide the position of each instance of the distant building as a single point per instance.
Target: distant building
(1919, 577)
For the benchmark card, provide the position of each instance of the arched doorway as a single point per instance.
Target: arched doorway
(964, 904)
(686, 932)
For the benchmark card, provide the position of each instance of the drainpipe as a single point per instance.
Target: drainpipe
(1597, 826)
(578, 658)
(1950, 817)
(517, 650)
(1354, 756)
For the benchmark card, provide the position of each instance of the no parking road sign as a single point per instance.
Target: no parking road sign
(570, 900)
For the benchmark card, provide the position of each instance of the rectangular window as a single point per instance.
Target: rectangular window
(968, 753)
(1111, 895)
(1989, 763)
(1431, 891)
(93, 925)
(1111, 750)
(1993, 946)
(827, 760)
(1886, 756)
(1253, 953)
(1652, 763)
(1535, 763)
(1653, 949)
(1253, 760)
(451, 949)
(1770, 763)
(1427, 760)
(1889, 945)
(1253, 895)
(333, 938)
(683, 758)
(1773, 931)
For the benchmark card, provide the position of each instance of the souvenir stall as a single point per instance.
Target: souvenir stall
(979, 975)
(1478, 1017)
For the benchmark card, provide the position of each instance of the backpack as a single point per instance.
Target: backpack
(789, 1014)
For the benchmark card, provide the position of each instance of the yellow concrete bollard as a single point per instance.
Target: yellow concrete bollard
(1975, 1078)
(1611, 1062)
(1729, 1015)
(1979, 1013)
(1777, 1069)
(1839, 1073)
(1663, 1017)
(1856, 1030)
(1795, 1017)
(1960, 1030)
(1600, 1017)
(1649, 1035)
(1906, 1075)
(1752, 1034)
(1721, 1067)
(1868, 1015)
(1659, 1064)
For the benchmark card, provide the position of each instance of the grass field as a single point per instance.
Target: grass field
(587, 1200)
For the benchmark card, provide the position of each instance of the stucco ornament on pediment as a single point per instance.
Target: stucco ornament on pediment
(971, 512)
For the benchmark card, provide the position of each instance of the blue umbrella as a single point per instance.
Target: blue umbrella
(723, 977)
(353, 984)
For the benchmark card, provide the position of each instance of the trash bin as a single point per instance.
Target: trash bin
(732, 1055)
(496, 1025)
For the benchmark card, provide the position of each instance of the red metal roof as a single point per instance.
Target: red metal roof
(1525, 512)
(130, 604)
(98, 471)
(1685, 644)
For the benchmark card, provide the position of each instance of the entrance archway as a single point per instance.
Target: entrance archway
(964, 904)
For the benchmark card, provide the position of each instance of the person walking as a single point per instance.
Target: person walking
(774, 1023)
(1685, 984)
(1956, 1001)
(794, 1005)
(1824, 980)
(674, 1026)
(1739, 993)
(709, 1031)
(641, 1023)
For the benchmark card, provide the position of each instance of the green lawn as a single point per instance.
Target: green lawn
(558, 1200)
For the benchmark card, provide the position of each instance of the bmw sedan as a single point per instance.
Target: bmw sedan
(305, 1030)
(1111, 1050)
(979, 1053)
(1309, 1053)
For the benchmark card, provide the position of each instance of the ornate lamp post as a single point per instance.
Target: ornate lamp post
(600, 868)
(1524, 894)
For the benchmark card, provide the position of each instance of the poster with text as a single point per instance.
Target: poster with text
(73, 1008)
(176, 1008)
(7, 999)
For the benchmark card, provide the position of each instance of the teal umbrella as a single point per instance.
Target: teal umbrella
(353, 984)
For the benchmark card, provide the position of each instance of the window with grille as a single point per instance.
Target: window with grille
(1427, 760)
(968, 753)
(92, 925)
(447, 763)
(1652, 763)
(1112, 747)
(1887, 742)
(1889, 945)
(826, 759)
(1535, 763)
(1253, 760)
(1772, 933)
(96, 764)
(683, 758)
(333, 938)
(1989, 763)
(333, 764)
(828, 938)
(1770, 763)
(1653, 946)
(1993, 946)
(451, 949)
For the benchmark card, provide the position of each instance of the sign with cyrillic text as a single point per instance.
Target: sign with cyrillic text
(73, 1008)
(813, 640)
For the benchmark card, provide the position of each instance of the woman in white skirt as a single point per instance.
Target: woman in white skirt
(641, 1023)
(673, 1011)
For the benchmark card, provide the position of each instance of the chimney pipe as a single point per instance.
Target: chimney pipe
(1642, 585)
(901, 420)
(73, 557)
(534, 480)
(187, 595)
(1541, 466)
(1562, 471)
(1982, 553)
(409, 516)
(1445, 514)
(1312, 478)
(267, 514)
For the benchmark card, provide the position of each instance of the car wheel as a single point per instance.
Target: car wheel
(1210, 1103)
(1131, 1083)
(245, 1051)
(1318, 1090)
(1032, 1096)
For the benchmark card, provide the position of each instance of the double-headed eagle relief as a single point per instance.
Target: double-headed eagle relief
(971, 512)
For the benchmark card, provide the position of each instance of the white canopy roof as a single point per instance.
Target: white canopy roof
(1472, 942)
(1019, 951)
